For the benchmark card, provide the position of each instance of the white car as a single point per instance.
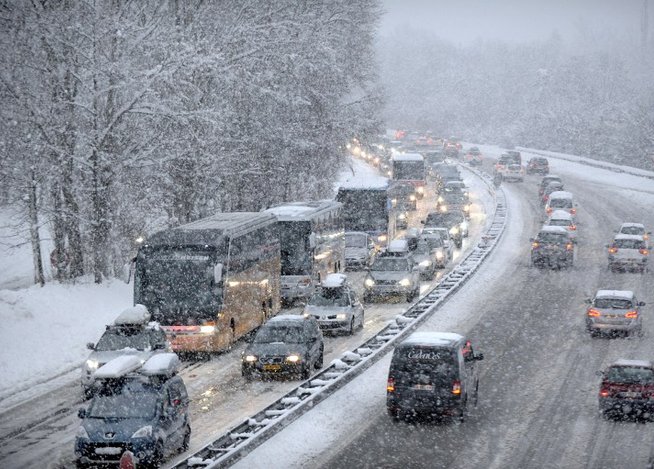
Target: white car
(564, 219)
(132, 333)
(628, 252)
(561, 200)
(630, 228)
(335, 306)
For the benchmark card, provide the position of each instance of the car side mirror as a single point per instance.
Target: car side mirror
(641, 303)
(81, 413)
(90, 345)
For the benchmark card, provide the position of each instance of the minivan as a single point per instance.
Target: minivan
(432, 374)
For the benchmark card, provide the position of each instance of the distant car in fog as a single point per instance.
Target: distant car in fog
(538, 165)
(552, 247)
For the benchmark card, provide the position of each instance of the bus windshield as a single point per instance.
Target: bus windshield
(364, 209)
(409, 170)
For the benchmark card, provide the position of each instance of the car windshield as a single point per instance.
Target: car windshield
(125, 405)
(118, 338)
(356, 241)
(284, 333)
(632, 230)
(629, 244)
(431, 242)
(630, 375)
(560, 203)
(385, 264)
(612, 303)
(552, 238)
(330, 297)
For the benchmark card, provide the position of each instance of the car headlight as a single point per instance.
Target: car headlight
(439, 254)
(402, 216)
(207, 329)
(421, 189)
(81, 432)
(440, 199)
(405, 282)
(250, 358)
(341, 316)
(293, 358)
(92, 364)
(454, 230)
(369, 282)
(443, 208)
(143, 432)
(466, 208)
(425, 263)
(382, 238)
(412, 198)
(464, 225)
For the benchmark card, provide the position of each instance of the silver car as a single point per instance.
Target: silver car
(392, 275)
(628, 252)
(614, 311)
(430, 254)
(335, 306)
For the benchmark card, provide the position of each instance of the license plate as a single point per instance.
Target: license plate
(272, 367)
(108, 450)
(631, 394)
(423, 387)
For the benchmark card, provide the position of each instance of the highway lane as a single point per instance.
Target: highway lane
(43, 428)
(538, 399)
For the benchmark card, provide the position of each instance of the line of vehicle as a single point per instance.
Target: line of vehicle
(230, 446)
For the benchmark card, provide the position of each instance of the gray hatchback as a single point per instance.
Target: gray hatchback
(614, 311)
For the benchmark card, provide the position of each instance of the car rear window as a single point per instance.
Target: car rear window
(632, 230)
(612, 303)
(630, 374)
(629, 244)
(552, 238)
(555, 222)
(560, 203)
(439, 364)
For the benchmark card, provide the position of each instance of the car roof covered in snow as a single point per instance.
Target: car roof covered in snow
(376, 183)
(441, 339)
(285, 318)
(299, 211)
(553, 229)
(632, 225)
(629, 236)
(161, 364)
(334, 280)
(627, 362)
(560, 215)
(561, 195)
(118, 367)
(622, 294)
(137, 314)
(408, 157)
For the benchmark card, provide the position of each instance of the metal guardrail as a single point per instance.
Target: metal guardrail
(244, 437)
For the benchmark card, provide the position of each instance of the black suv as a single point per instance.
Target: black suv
(432, 374)
(140, 408)
(552, 247)
(285, 345)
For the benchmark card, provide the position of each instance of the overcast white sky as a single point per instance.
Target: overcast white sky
(463, 21)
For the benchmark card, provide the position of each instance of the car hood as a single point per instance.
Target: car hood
(389, 275)
(275, 349)
(326, 310)
(118, 430)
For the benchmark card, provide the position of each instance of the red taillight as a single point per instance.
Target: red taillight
(456, 387)
(631, 314)
(604, 392)
(572, 227)
(573, 211)
(644, 251)
(549, 210)
(613, 250)
(592, 312)
(390, 385)
(569, 246)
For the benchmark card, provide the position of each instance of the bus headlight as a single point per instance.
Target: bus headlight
(421, 190)
(369, 282)
(405, 282)
(207, 329)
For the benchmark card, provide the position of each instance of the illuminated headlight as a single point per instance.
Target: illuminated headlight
(293, 358)
(81, 433)
(207, 329)
(421, 190)
(443, 208)
(454, 230)
(439, 255)
(405, 282)
(382, 238)
(341, 316)
(402, 216)
(440, 198)
(424, 263)
(143, 432)
(92, 365)
(466, 208)
(369, 282)
(464, 225)
(412, 197)
(250, 358)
